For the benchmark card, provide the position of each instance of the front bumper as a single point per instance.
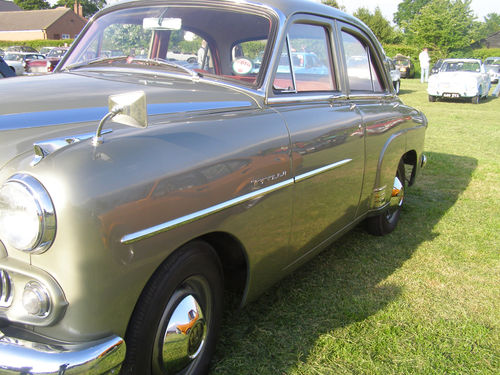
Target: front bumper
(21, 356)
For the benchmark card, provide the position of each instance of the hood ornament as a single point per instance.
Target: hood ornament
(128, 109)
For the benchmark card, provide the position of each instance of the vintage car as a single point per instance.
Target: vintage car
(136, 191)
(405, 66)
(395, 75)
(48, 64)
(17, 60)
(459, 78)
(437, 65)
(492, 67)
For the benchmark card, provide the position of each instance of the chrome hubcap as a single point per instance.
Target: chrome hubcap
(397, 198)
(185, 334)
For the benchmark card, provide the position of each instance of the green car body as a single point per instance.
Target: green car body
(244, 175)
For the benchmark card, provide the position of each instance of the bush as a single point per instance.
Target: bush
(36, 44)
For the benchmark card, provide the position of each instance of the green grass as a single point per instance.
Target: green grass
(423, 300)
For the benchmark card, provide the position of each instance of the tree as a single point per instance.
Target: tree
(407, 10)
(89, 6)
(380, 26)
(32, 4)
(333, 4)
(443, 26)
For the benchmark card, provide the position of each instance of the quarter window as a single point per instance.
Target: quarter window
(305, 63)
(361, 70)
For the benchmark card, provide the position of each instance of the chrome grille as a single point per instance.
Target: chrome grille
(6, 290)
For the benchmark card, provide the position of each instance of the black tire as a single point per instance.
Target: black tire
(386, 221)
(432, 98)
(188, 283)
(475, 99)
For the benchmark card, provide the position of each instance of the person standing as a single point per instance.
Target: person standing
(424, 65)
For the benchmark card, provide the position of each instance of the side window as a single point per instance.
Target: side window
(361, 70)
(305, 63)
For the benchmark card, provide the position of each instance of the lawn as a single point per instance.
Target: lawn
(422, 300)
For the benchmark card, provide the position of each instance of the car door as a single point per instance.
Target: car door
(326, 134)
(385, 117)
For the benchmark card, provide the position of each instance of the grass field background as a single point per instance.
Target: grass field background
(423, 300)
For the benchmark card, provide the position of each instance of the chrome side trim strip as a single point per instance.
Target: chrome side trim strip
(149, 232)
(164, 227)
(326, 168)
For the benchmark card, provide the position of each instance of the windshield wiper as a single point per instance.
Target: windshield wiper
(99, 60)
(132, 60)
(171, 64)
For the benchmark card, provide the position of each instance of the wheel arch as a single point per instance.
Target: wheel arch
(234, 261)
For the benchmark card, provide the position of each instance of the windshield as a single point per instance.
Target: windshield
(492, 61)
(221, 43)
(460, 66)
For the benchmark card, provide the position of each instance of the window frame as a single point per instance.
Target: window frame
(376, 65)
(328, 24)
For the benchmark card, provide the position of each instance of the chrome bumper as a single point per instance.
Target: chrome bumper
(423, 161)
(20, 356)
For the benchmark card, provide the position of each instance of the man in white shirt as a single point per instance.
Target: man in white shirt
(424, 65)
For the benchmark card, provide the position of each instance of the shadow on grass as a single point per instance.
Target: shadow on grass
(341, 285)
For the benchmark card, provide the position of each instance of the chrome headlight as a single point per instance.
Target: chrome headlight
(27, 215)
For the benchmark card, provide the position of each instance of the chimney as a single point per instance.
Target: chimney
(78, 8)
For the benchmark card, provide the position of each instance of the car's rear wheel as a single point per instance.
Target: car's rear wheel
(174, 327)
(386, 221)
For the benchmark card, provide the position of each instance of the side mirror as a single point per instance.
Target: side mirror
(128, 109)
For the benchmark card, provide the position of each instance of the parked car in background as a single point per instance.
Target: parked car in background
(135, 190)
(21, 49)
(17, 60)
(395, 75)
(5, 70)
(437, 65)
(47, 64)
(405, 66)
(45, 50)
(459, 78)
(492, 66)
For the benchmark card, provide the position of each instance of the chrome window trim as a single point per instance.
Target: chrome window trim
(186, 219)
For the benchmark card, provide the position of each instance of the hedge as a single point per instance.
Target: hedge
(36, 44)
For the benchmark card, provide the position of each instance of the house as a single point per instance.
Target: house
(8, 6)
(492, 41)
(58, 23)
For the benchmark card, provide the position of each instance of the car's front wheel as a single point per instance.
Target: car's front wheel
(432, 98)
(174, 326)
(386, 221)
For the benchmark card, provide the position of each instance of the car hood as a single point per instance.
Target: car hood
(456, 76)
(48, 107)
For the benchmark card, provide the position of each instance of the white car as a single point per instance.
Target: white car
(492, 66)
(17, 60)
(459, 78)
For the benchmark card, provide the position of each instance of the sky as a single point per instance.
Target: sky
(480, 8)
